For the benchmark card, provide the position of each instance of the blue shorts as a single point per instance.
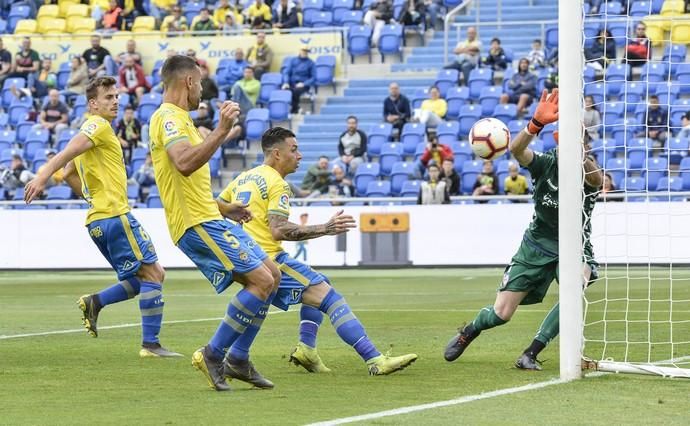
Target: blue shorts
(296, 277)
(124, 243)
(219, 248)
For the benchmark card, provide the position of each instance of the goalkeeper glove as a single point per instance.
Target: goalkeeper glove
(546, 112)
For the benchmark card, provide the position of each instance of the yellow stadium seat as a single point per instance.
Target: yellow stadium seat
(655, 29)
(48, 10)
(64, 6)
(26, 26)
(680, 32)
(52, 26)
(78, 25)
(670, 9)
(81, 10)
(103, 4)
(144, 24)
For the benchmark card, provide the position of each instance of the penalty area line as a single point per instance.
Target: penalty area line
(439, 404)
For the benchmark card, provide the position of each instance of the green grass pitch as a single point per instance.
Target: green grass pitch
(72, 378)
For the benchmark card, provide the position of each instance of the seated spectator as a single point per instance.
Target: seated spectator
(112, 18)
(17, 176)
(133, 80)
(352, 146)
(450, 176)
(299, 76)
(602, 52)
(523, 87)
(467, 54)
(638, 49)
(396, 108)
(223, 10)
(45, 79)
(487, 182)
(259, 15)
(286, 15)
(176, 22)
(204, 120)
(236, 66)
(128, 131)
(5, 62)
(609, 190)
(192, 54)
(433, 109)
(130, 11)
(591, 118)
(246, 91)
(318, 177)
(145, 176)
(340, 185)
(58, 177)
(413, 12)
(54, 115)
(26, 61)
(434, 152)
(536, 57)
(434, 10)
(230, 25)
(380, 14)
(209, 89)
(260, 56)
(515, 183)
(496, 59)
(161, 8)
(130, 50)
(434, 189)
(95, 57)
(685, 122)
(204, 23)
(657, 122)
(78, 78)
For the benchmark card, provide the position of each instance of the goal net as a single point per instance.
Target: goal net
(636, 99)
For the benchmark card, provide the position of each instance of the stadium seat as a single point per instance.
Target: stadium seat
(39, 135)
(52, 26)
(597, 91)
(410, 188)
(65, 136)
(684, 169)
(612, 8)
(359, 42)
(60, 192)
(76, 10)
(615, 167)
(456, 97)
(683, 78)
(378, 188)
(615, 77)
(641, 8)
(148, 104)
(31, 147)
(377, 136)
(325, 71)
(365, 174)
(675, 54)
(637, 149)
(256, 123)
(447, 132)
(144, 24)
(391, 153)
(26, 27)
(78, 25)
(390, 42)
(633, 93)
(445, 79)
(462, 152)
(505, 112)
(479, 77)
(657, 168)
(551, 35)
(677, 111)
(419, 96)
(588, 74)
(671, 9)
(633, 184)
(412, 135)
(489, 97)
(670, 184)
(17, 13)
(654, 72)
(612, 111)
(538, 145)
(680, 32)
(678, 149)
(46, 12)
(603, 149)
(655, 30)
(322, 19)
(279, 104)
(470, 170)
(400, 173)
(270, 81)
(17, 113)
(469, 114)
(351, 18)
(516, 126)
(154, 202)
(309, 9)
(192, 8)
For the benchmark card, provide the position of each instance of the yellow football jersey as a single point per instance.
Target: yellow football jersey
(102, 171)
(266, 192)
(188, 201)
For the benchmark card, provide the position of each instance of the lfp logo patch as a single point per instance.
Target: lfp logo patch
(90, 129)
(169, 128)
(284, 202)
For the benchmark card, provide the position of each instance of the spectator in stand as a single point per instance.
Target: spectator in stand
(286, 15)
(204, 23)
(236, 66)
(45, 79)
(133, 80)
(5, 63)
(26, 61)
(396, 108)
(657, 122)
(209, 89)
(223, 9)
(380, 13)
(343, 184)
(523, 87)
(638, 49)
(54, 115)
(434, 189)
(413, 12)
(192, 54)
(487, 182)
(130, 50)
(318, 177)
(496, 59)
(260, 56)
(609, 188)
(259, 15)
(161, 8)
(298, 76)
(685, 122)
(450, 176)
(246, 91)
(131, 10)
(515, 183)
(467, 54)
(128, 131)
(352, 146)
(591, 118)
(551, 81)
(203, 120)
(58, 177)
(145, 176)
(434, 9)
(434, 152)
(78, 78)
(112, 18)
(18, 175)
(95, 57)
(602, 52)
(536, 57)
(433, 109)
(230, 25)
(176, 22)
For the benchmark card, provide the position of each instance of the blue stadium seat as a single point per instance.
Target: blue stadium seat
(279, 104)
(597, 91)
(351, 18)
(17, 13)
(377, 136)
(8, 137)
(18, 113)
(61, 192)
(469, 114)
(309, 9)
(538, 145)
(637, 149)
(489, 97)
(546, 137)
(412, 134)
(410, 188)
(419, 151)
(133, 192)
(192, 9)
(40, 135)
(615, 77)
(624, 129)
(462, 152)
(445, 79)
(671, 184)
(675, 55)
(633, 93)
(612, 111)
(683, 77)
(678, 149)
(654, 72)
(154, 202)
(148, 105)
(365, 174)
(23, 129)
(668, 93)
(66, 135)
(633, 184)
(391, 153)
(505, 112)
(551, 35)
(419, 96)
(615, 167)
(270, 81)
(479, 77)
(603, 149)
(684, 169)
(378, 188)
(400, 173)
(657, 168)
(456, 97)
(470, 170)
(390, 42)
(447, 132)
(641, 8)
(322, 19)
(325, 71)
(257, 123)
(340, 8)
(588, 74)
(677, 111)
(516, 126)
(359, 42)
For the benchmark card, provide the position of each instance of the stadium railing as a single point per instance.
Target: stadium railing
(448, 19)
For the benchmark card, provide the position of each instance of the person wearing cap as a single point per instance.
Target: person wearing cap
(234, 71)
(260, 56)
(58, 177)
(298, 76)
(19, 175)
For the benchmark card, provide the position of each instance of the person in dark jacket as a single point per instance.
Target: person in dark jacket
(523, 85)
(639, 49)
(602, 51)
(396, 108)
(318, 177)
(299, 76)
(412, 13)
(496, 59)
(450, 176)
(352, 146)
(286, 15)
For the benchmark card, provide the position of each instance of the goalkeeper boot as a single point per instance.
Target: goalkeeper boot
(211, 368)
(383, 364)
(457, 345)
(528, 362)
(155, 350)
(244, 370)
(308, 358)
(90, 307)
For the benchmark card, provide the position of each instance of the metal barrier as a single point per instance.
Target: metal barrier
(446, 23)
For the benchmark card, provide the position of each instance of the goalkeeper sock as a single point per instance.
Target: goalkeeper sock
(310, 320)
(486, 319)
(549, 327)
(124, 290)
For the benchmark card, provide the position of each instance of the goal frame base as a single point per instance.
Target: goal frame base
(611, 366)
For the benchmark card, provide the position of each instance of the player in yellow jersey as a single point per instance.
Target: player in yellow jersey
(222, 251)
(96, 156)
(264, 189)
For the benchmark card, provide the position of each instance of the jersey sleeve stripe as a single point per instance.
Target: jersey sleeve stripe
(278, 212)
(173, 141)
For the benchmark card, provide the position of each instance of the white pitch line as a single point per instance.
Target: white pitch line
(439, 404)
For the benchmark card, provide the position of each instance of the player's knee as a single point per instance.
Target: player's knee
(152, 273)
(504, 311)
(260, 282)
(275, 273)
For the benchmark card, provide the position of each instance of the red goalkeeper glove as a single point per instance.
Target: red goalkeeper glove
(546, 112)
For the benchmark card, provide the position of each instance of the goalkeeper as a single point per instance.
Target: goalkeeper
(535, 265)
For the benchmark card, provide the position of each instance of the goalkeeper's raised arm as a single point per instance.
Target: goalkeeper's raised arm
(546, 113)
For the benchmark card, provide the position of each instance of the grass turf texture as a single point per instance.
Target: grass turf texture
(56, 379)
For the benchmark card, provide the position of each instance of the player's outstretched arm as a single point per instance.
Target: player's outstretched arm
(284, 230)
(78, 145)
(188, 159)
(72, 178)
(236, 211)
(546, 113)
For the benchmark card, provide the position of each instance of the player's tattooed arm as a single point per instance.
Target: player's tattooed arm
(284, 230)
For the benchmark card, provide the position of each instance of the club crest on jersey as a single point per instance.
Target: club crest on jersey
(244, 256)
(169, 128)
(284, 202)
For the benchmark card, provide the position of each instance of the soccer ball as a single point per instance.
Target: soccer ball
(489, 138)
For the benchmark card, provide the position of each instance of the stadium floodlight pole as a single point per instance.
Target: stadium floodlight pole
(570, 184)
